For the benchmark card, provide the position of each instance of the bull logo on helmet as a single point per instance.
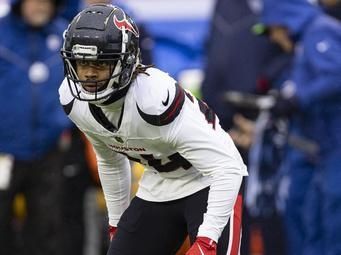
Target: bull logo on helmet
(126, 24)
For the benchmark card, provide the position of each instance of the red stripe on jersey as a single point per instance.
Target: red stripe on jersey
(237, 225)
(176, 106)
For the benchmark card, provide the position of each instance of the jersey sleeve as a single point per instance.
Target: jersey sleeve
(156, 97)
(198, 137)
(65, 97)
(115, 176)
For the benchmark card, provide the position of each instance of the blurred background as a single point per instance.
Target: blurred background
(271, 70)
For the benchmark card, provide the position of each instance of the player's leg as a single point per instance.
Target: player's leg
(149, 228)
(196, 206)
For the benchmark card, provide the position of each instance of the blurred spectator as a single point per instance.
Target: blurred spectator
(239, 60)
(32, 122)
(312, 101)
(78, 180)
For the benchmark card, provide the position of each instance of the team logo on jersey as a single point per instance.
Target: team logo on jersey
(165, 103)
(168, 115)
(126, 24)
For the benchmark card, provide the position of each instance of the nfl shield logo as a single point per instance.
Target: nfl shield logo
(118, 139)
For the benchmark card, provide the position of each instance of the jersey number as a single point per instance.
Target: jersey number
(175, 161)
(205, 109)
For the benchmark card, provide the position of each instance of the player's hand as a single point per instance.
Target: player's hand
(203, 246)
(112, 232)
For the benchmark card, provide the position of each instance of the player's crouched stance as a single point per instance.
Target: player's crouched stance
(130, 111)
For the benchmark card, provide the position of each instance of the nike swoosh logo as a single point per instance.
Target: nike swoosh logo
(201, 252)
(167, 99)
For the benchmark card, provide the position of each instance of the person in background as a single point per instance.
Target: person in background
(240, 61)
(311, 100)
(131, 111)
(78, 179)
(31, 126)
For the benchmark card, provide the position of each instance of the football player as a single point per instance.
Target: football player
(129, 111)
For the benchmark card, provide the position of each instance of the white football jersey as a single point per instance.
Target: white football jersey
(175, 136)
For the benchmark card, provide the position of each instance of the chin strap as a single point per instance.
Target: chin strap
(116, 96)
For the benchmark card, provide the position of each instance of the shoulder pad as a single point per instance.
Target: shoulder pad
(159, 99)
(65, 97)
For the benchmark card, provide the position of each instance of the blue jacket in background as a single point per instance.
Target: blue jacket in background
(237, 59)
(31, 70)
(316, 70)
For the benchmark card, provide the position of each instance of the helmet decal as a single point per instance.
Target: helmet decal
(126, 24)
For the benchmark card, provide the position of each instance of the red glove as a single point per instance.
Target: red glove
(112, 232)
(203, 246)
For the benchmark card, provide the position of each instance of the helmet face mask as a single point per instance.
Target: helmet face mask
(100, 35)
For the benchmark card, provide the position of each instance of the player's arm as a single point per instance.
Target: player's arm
(114, 174)
(198, 137)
